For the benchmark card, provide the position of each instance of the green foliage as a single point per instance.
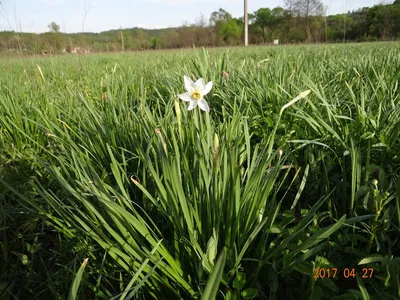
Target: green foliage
(100, 160)
(220, 16)
(231, 31)
(211, 289)
(54, 27)
(77, 281)
(263, 19)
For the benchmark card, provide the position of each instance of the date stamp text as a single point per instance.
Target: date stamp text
(345, 273)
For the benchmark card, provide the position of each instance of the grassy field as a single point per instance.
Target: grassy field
(261, 198)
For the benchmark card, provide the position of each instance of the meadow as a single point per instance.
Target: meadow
(111, 189)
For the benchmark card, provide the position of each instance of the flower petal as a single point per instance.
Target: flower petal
(192, 105)
(203, 105)
(207, 88)
(200, 85)
(186, 97)
(189, 84)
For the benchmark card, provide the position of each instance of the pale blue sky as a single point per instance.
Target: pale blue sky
(34, 15)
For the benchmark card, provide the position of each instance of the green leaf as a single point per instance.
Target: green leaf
(77, 281)
(239, 281)
(211, 289)
(249, 293)
(329, 283)
(371, 259)
(398, 200)
(232, 295)
(274, 230)
(362, 288)
(301, 188)
(212, 245)
(6, 290)
(320, 235)
(316, 293)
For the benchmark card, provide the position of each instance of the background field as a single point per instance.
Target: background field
(100, 160)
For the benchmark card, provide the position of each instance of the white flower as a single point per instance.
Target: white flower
(195, 93)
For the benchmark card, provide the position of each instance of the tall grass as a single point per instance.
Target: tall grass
(101, 160)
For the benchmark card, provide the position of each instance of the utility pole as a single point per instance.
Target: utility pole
(344, 22)
(246, 24)
(122, 40)
(326, 24)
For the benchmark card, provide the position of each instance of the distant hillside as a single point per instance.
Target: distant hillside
(150, 32)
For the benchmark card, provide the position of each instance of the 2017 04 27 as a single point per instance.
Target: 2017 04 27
(346, 273)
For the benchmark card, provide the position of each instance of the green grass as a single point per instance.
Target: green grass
(100, 159)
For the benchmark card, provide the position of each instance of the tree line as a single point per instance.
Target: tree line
(298, 21)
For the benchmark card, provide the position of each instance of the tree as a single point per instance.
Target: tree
(218, 20)
(202, 31)
(384, 21)
(188, 36)
(231, 31)
(278, 15)
(142, 39)
(128, 40)
(263, 19)
(219, 16)
(252, 18)
(358, 30)
(317, 28)
(54, 39)
(54, 27)
(157, 43)
(172, 39)
(201, 21)
(305, 9)
(271, 20)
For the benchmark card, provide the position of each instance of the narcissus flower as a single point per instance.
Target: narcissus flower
(195, 93)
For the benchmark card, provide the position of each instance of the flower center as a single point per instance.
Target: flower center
(196, 95)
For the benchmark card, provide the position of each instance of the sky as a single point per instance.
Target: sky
(102, 15)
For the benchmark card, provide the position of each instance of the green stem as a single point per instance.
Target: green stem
(374, 225)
